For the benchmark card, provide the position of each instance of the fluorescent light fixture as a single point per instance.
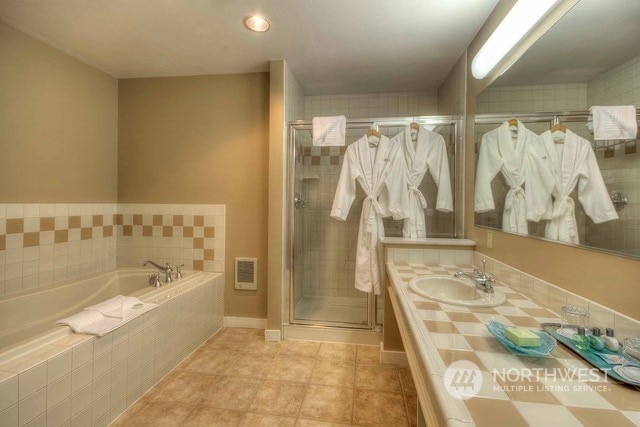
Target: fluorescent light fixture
(522, 17)
(256, 23)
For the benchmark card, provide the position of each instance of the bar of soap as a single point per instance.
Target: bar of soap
(522, 337)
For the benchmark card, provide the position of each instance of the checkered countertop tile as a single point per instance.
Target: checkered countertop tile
(557, 390)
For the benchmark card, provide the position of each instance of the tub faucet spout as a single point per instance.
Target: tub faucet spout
(167, 270)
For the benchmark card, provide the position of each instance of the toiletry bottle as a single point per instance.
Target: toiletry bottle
(610, 341)
(581, 340)
(596, 342)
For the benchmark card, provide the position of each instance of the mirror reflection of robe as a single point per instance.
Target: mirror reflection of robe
(428, 153)
(380, 172)
(499, 152)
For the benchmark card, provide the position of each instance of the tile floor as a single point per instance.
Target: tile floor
(237, 378)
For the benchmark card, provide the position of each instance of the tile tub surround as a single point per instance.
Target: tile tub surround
(81, 380)
(193, 235)
(237, 378)
(444, 334)
(45, 244)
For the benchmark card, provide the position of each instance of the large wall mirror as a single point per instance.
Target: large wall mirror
(591, 57)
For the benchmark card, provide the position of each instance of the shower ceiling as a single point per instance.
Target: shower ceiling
(332, 46)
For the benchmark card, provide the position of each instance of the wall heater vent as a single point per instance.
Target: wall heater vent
(247, 274)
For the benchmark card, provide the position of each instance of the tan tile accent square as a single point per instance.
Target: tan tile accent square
(300, 348)
(315, 160)
(204, 416)
(107, 231)
(75, 222)
(117, 219)
(127, 230)
(328, 403)
(427, 305)
(621, 397)
(178, 220)
(147, 230)
(61, 236)
(295, 369)
(440, 327)
(379, 408)
(187, 231)
(137, 219)
(160, 414)
(337, 351)
(252, 419)
(167, 231)
(336, 373)
(198, 265)
(47, 223)
(86, 233)
(209, 255)
(378, 377)
(182, 387)
(494, 412)
(198, 221)
(15, 225)
(209, 232)
(538, 312)
(31, 239)
(456, 316)
(590, 417)
(98, 221)
(198, 243)
(231, 392)
(279, 398)
(450, 356)
(157, 220)
(526, 390)
(3, 242)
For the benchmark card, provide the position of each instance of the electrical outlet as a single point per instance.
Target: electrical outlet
(489, 239)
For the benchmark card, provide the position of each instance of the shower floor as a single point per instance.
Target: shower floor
(333, 309)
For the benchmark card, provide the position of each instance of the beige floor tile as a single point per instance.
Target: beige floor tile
(210, 362)
(258, 346)
(278, 398)
(231, 393)
(368, 354)
(250, 419)
(411, 402)
(160, 414)
(303, 422)
(183, 387)
(408, 386)
(337, 351)
(204, 416)
(379, 408)
(341, 374)
(378, 377)
(125, 417)
(300, 348)
(250, 366)
(328, 403)
(295, 368)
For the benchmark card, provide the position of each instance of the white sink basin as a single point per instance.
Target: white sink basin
(454, 291)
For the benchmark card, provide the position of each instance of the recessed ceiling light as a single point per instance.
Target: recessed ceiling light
(256, 23)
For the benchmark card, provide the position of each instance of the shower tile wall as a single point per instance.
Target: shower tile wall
(539, 98)
(45, 244)
(193, 235)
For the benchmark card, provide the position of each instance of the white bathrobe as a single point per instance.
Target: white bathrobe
(499, 152)
(574, 163)
(428, 153)
(380, 172)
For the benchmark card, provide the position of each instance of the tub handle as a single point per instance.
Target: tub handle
(179, 271)
(154, 280)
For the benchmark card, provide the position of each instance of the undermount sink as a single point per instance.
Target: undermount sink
(454, 291)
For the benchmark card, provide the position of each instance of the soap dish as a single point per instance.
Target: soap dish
(547, 342)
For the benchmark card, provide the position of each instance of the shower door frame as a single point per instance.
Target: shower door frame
(364, 124)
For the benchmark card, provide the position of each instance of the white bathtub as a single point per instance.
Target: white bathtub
(28, 320)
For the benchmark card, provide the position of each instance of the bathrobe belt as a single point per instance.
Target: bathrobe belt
(563, 208)
(370, 214)
(418, 195)
(515, 193)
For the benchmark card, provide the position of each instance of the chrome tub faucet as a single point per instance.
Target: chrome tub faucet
(167, 270)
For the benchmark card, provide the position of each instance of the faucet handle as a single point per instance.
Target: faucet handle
(484, 265)
(168, 268)
(154, 280)
(179, 271)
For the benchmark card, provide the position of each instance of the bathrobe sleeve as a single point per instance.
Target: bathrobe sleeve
(592, 191)
(489, 164)
(438, 163)
(346, 188)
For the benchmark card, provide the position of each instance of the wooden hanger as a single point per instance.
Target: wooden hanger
(513, 122)
(559, 127)
(415, 126)
(373, 132)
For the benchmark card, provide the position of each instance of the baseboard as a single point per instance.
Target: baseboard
(244, 322)
(394, 357)
(272, 335)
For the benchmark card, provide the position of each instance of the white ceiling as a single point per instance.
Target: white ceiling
(332, 46)
(593, 37)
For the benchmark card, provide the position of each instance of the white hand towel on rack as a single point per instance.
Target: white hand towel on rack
(614, 122)
(329, 131)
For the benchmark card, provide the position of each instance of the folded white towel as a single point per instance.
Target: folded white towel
(614, 122)
(329, 131)
(110, 308)
(94, 322)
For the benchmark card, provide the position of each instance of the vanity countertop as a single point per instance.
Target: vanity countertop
(443, 334)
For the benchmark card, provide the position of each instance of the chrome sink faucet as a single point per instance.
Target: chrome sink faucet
(167, 270)
(482, 280)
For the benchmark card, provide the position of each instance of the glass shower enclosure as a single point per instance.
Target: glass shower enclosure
(322, 250)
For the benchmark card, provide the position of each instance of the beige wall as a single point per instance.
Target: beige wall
(58, 125)
(607, 279)
(203, 139)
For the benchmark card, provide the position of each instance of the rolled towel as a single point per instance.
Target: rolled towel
(329, 131)
(614, 122)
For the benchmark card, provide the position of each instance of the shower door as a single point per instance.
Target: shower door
(322, 250)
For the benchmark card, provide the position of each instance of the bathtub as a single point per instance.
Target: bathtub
(48, 374)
